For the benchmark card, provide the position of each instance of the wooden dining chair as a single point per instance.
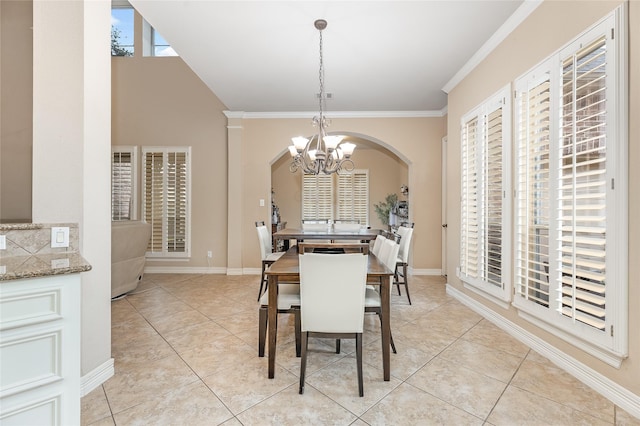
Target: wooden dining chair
(266, 254)
(332, 294)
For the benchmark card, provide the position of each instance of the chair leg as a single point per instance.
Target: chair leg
(337, 346)
(303, 361)
(296, 316)
(393, 345)
(396, 279)
(359, 361)
(263, 283)
(262, 329)
(406, 281)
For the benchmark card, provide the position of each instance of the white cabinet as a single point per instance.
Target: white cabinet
(40, 351)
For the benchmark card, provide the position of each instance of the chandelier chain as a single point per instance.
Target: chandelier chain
(321, 79)
(331, 154)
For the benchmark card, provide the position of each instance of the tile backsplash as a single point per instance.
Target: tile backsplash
(26, 239)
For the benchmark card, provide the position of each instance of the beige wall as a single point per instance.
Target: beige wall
(386, 174)
(415, 141)
(523, 49)
(161, 102)
(16, 94)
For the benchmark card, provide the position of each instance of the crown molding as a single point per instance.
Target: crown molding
(337, 114)
(527, 7)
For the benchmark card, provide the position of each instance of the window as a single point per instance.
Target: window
(484, 240)
(166, 200)
(571, 180)
(153, 43)
(343, 196)
(124, 165)
(353, 196)
(121, 29)
(317, 196)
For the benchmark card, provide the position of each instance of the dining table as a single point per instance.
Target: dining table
(286, 269)
(286, 234)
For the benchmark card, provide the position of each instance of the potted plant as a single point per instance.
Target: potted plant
(384, 208)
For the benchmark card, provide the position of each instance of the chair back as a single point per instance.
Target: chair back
(405, 243)
(377, 244)
(332, 290)
(348, 247)
(342, 225)
(391, 254)
(265, 241)
(383, 253)
(315, 224)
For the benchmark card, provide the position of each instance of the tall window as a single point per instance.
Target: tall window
(571, 180)
(121, 29)
(484, 238)
(153, 44)
(166, 199)
(317, 196)
(344, 196)
(353, 196)
(124, 164)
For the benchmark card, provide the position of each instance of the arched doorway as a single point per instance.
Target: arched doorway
(387, 171)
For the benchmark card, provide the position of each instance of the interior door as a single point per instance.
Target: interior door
(444, 207)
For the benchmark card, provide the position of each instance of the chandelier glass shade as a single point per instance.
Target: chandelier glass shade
(322, 153)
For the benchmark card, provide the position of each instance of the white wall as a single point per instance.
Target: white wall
(71, 147)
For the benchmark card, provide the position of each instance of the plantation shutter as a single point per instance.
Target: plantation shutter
(317, 196)
(353, 196)
(154, 198)
(166, 199)
(493, 196)
(533, 202)
(582, 185)
(469, 244)
(122, 185)
(176, 201)
(485, 209)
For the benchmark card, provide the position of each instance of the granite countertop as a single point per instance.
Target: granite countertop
(41, 265)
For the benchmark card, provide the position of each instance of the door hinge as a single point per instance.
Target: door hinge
(612, 33)
(611, 330)
(613, 183)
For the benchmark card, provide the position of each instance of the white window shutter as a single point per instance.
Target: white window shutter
(317, 196)
(166, 200)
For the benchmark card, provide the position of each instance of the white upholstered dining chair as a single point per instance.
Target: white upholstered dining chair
(402, 263)
(266, 253)
(373, 302)
(332, 294)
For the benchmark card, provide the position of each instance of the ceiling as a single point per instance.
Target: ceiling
(379, 56)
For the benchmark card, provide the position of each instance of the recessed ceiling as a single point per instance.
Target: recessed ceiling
(379, 56)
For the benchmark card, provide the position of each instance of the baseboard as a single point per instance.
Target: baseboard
(185, 270)
(413, 271)
(96, 377)
(611, 390)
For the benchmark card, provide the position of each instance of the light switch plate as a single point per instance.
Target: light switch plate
(59, 236)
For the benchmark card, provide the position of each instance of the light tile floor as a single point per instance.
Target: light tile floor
(185, 350)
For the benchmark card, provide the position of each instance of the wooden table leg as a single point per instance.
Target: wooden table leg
(386, 325)
(273, 323)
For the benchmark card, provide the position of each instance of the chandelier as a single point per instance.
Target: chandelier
(322, 153)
